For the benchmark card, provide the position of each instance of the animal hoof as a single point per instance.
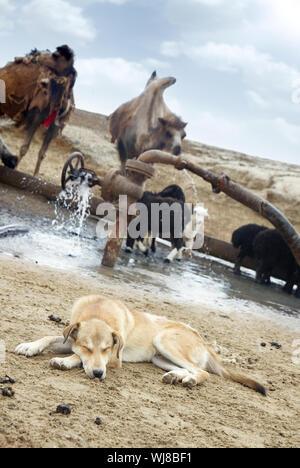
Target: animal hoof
(128, 250)
(258, 281)
(237, 272)
(167, 260)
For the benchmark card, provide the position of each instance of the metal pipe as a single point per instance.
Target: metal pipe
(37, 186)
(113, 246)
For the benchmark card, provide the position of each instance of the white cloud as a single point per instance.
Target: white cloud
(209, 2)
(257, 99)
(117, 70)
(156, 64)
(58, 16)
(211, 128)
(289, 131)
(7, 9)
(90, 2)
(282, 17)
(104, 83)
(258, 69)
(273, 138)
(172, 48)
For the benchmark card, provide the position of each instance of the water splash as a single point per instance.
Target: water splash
(192, 185)
(72, 208)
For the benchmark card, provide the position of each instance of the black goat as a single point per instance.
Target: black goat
(272, 252)
(170, 195)
(243, 239)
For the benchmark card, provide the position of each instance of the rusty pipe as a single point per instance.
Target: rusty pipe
(161, 157)
(115, 184)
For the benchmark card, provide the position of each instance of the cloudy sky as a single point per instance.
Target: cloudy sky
(236, 61)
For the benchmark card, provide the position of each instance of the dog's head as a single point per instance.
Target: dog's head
(96, 344)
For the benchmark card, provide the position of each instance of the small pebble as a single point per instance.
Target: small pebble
(7, 380)
(54, 319)
(63, 409)
(263, 345)
(98, 421)
(7, 392)
(275, 345)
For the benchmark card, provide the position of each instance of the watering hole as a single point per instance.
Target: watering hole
(53, 241)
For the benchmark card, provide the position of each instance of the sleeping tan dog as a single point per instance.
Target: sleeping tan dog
(104, 332)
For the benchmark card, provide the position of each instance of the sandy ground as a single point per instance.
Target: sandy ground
(136, 408)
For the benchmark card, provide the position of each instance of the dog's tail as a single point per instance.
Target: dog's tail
(215, 367)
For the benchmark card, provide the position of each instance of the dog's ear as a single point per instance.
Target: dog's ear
(118, 342)
(71, 332)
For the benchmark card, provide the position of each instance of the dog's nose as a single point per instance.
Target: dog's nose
(98, 374)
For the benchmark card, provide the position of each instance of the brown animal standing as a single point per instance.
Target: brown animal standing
(39, 91)
(147, 123)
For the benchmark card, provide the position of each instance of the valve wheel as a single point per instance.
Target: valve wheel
(71, 170)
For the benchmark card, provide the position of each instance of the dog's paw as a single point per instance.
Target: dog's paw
(189, 381)
(60, 364)
(29, 349)
(169, 378)
(175, 376)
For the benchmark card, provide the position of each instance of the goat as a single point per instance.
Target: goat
(243, 238)
(271, 252)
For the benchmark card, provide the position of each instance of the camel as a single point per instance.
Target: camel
(39, 91)
(146, 123)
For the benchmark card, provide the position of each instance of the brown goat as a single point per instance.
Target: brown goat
(147, 123)
(39, 91)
